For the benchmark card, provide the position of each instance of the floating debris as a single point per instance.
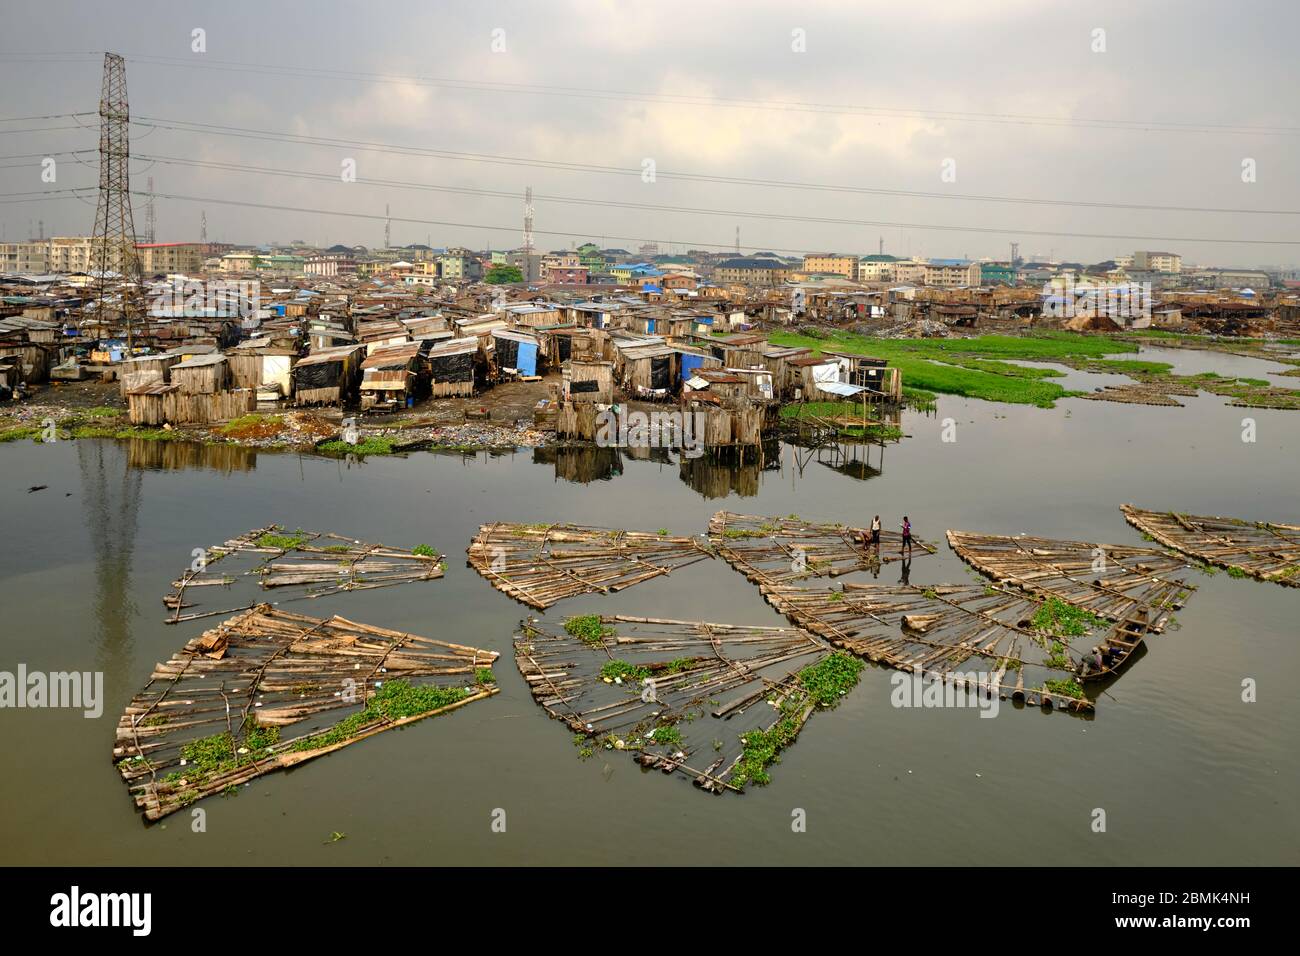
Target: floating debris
(540, 564)
(316, 562)
(779, 550)
(936, 630)
(1110, 580)
(1257, 549)
(210, 718)
(1141, 394)
(715, 702)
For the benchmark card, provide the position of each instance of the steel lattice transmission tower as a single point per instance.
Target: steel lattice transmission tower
(113, 246)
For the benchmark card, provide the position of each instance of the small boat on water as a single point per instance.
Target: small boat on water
(1125, 638)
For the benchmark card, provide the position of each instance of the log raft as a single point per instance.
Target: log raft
(1112, 581)
(311, 563)
(541, 564)
(971, 636)
(1267, 551)
(776, 550)
(215, 715)
(682, 696)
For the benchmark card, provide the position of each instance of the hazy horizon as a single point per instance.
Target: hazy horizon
(744, 118)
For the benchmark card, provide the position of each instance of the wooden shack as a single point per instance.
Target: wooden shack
(328, 376)
(515, 354)
(391, 376)
(650, 371)
(167, 403)
(588, 381)
(451, 366)
(147, 370)
(202, 374)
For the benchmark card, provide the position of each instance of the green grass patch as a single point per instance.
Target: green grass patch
(20, 432)
(976, 367)
(424, 551)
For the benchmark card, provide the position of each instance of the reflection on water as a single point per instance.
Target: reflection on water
(722, 475)
(177, 455)
(110, 495)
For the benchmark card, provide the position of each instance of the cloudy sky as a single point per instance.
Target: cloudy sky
(677, 122)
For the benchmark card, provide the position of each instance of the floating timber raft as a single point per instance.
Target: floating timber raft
(1129, 580)
(314, 562)
(211, 717)
(779, 550)
(1142, 393)
(540, 564)
(1258, 549)
(714, 702)
(936, 631)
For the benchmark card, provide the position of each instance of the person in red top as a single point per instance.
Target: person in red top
(907, 537)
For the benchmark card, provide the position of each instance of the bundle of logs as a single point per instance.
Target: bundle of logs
(683, 696)
(314, 562)
(540, 564)
(212, 717)
(1257, 549)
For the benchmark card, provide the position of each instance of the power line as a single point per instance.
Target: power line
(687, 99)
(240, 132)
(577, 232)
(229, 166)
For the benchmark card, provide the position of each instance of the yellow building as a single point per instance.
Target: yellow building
(829, 263)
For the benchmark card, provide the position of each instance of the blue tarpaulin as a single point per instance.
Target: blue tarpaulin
(526, 362)
(689, 364)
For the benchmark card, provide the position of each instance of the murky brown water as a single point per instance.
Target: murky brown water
(1186, 772)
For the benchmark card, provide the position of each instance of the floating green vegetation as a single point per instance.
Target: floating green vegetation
(666, 735)
(484, 676)
(337, 549)
(1057, 618)
(1066, 687)
(662, 532)
(685, 663)
(424, 551)
(761, 748)
(622, 670)
(588, 627)
(744, 533)
(830, 679)
(395, 700)
(282, 542)
(1058, 658)
(218, 754)
(824, 684)
(1236, 572)
(370, 445)
(931, 593)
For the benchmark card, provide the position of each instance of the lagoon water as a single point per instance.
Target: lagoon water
(1186, 772)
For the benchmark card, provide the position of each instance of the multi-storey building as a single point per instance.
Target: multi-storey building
(751, 271)
(32, 257)
(829, 263)
(167, 258)
(1149, 261)
(877, 268)
(70, 254)
(952, 273)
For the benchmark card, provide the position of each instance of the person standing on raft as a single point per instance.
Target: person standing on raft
(907, 536)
